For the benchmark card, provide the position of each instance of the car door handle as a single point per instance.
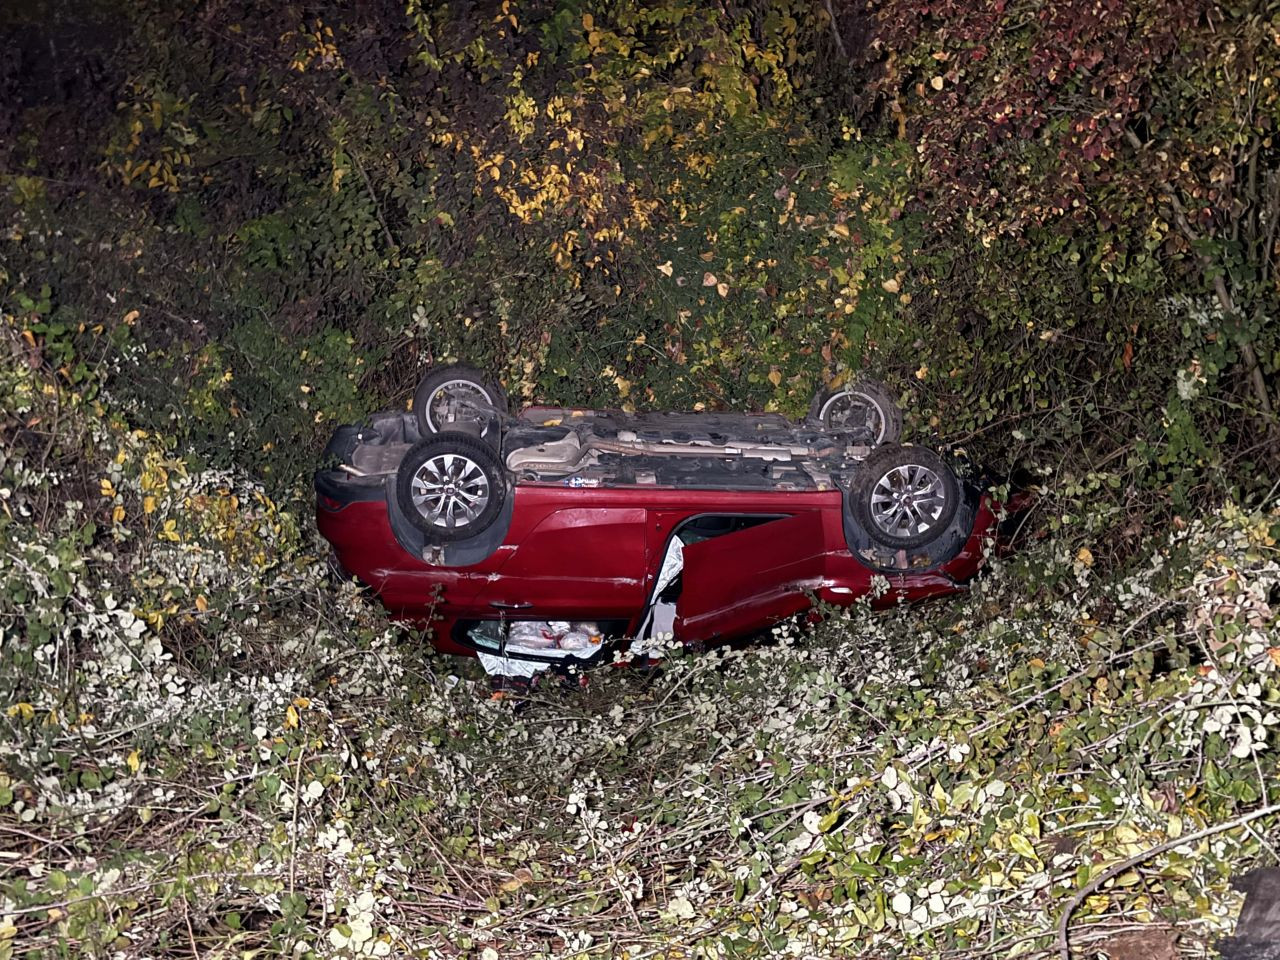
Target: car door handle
(502, 605)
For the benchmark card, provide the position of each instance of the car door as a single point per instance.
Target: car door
(581, 562)
(748, 580)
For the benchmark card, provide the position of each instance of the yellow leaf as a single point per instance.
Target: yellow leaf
(922, 372)
(107, 487)
(775, 377)
(24, 710)
(1126, 834)
(302, 702)
(1021, 845)
(722, 288)
(134, 761)
(148, 504)
(666, 269)
(936, 83)
(518, 879)
(290, 717)
(841, 229)
(201, 603)
(588, 21)
(890, 285)
(129, 317)
(117, 515)
(1085, 556)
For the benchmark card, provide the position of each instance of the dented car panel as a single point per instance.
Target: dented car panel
(756, 576)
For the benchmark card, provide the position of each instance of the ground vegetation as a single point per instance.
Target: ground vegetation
(226, 227)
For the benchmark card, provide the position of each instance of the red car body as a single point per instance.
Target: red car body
(572, 553)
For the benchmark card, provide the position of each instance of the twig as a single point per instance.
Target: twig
(373, 198)
(1064, 941)
(133, 888)
(297, 802)
(835, 29)
(1013, 417)
(43, 841)
(191, 934)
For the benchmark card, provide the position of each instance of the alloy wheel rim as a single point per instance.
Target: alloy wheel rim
(908, 500)
(454, 397)
(450, 490)
(852, 410)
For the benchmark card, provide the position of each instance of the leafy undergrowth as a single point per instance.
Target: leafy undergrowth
(950, 780)
(209, 750)
(227, 226)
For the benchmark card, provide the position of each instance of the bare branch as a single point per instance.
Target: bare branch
(1064, 941)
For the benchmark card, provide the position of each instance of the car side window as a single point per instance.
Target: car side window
(708, 526)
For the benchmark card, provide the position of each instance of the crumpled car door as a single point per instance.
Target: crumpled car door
(584, 562)
(746, 581)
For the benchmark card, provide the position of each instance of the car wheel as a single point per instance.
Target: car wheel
(904, 497)
(455, 397)
(865, 408)
(451, 486)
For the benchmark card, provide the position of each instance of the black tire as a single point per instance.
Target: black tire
(457, 382)
(451, 486)
(904, 497)
(864, 407)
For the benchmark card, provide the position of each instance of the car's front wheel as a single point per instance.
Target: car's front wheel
(458, 397)
(451, 486)
(865, 409)
(904, 497)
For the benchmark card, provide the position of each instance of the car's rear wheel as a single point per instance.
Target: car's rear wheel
(458, 397)
(451, 486)
(865, 408)
(904, 497)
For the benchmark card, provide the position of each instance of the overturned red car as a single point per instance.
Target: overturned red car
(560, 534)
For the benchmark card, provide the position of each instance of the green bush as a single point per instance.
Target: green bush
(224, 231)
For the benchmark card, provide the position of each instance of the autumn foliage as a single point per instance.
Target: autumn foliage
(228, 225)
